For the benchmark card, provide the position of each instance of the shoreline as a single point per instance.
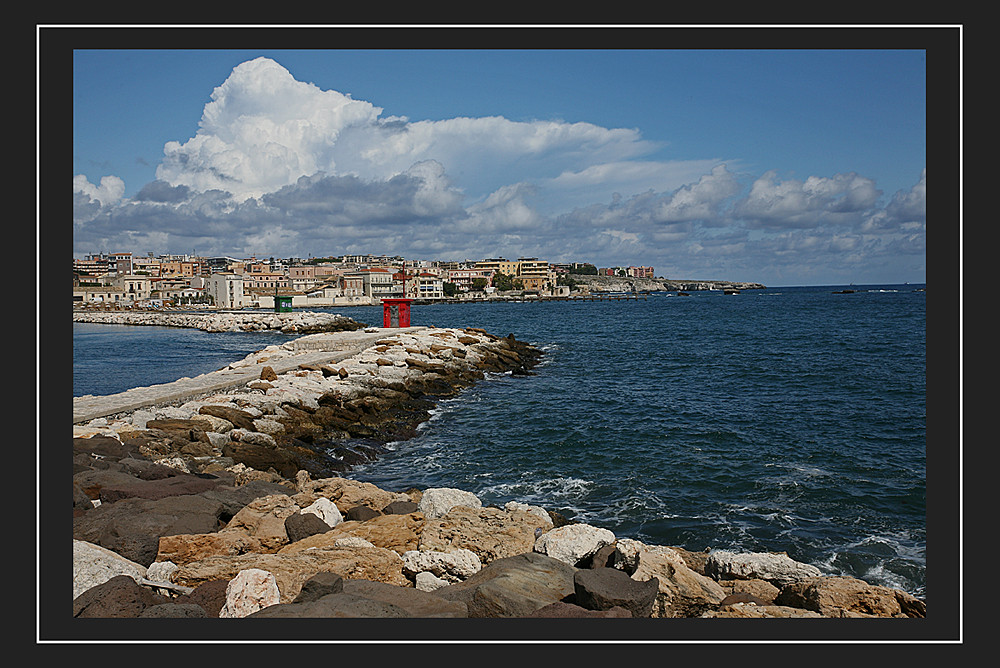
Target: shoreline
(265, 458)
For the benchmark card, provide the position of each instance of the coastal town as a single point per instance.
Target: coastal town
(134, 280)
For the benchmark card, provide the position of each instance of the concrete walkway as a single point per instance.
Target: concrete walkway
(310, 349)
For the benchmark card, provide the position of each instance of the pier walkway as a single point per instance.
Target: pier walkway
(310, 349)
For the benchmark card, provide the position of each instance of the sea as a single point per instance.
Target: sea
(789, 419)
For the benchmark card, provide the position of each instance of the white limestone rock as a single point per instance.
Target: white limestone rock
(437, 501)
(94, 565)
(161, 571)
(427, 581)
(511, 506)
(774, 567)
(453, 566)
(573, 542)
(251, 590)
(326, 510)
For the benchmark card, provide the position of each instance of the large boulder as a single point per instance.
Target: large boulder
(491, 533)
(417, 603)
(184, 549)
(446, 567)
(775, 567)
(437, 501)
(681, 591)
(606, 588)
(333, 606)
(251, 590)
(392, 532)
(120, 597)
(302, 525)
(345, 493)
(264, 519)
(513, 586)
(159, 488)
(843, 596)
(94, 565)
(573, 543)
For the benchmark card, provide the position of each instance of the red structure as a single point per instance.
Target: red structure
(396, 312)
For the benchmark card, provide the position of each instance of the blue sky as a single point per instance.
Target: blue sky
(787, 167)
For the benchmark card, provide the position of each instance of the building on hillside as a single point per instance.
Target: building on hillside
(98, 295)
(145, 266)
(226, 290)
(120, 263)
(499, 265)
(134, 288)
(377, 283)
(464, 278)
(425, 285)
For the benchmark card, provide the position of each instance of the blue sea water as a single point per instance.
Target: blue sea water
(784, 419)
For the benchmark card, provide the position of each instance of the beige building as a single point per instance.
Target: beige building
(134, 288)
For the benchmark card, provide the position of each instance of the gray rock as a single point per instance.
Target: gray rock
(606, 588)
(513, 586)
(303, 525)
(319, 586)
(414, 601)
(332, 605)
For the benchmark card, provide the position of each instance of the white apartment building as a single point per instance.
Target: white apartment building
(226, 290)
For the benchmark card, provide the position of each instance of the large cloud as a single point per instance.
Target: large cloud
(281, 167)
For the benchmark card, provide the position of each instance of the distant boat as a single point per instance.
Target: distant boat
(844, 292)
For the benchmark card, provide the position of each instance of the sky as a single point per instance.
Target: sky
(783, 167)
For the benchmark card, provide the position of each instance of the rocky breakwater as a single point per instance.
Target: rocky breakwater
(320, 418)
(337, 548)
(300, 322)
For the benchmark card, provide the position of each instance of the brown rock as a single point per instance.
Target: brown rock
(398, 533)
(491, 533)
(292, 569)
(209, 595)
(513, 586)
(839, 596)
(682, 591)
(240, 419)
(759, 589)
(264, 519)
(120, 597)
(267, 373)
(345, 493)
(188, 548)
(745, 611)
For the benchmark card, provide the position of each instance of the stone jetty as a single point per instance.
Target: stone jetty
(295, 322)
(239, 504)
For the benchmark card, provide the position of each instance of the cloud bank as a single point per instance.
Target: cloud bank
(279, 167)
